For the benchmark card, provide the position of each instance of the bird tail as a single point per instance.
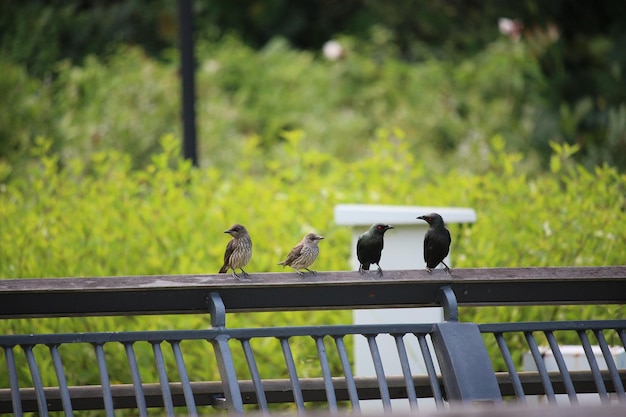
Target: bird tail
(223, 269)
(281, 263)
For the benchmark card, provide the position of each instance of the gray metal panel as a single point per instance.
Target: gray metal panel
(466, 368)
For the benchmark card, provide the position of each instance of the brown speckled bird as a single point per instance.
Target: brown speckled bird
(304, 253)
(238, 250)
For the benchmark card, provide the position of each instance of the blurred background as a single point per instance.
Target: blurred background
(92, 74)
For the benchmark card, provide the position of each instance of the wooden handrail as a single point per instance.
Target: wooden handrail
(186, 294)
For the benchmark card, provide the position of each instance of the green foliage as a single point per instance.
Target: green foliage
(441, 71)
(128, 100)
(128, 113)
(104, 218)
(29, 111)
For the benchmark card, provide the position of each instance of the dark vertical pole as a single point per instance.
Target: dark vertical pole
(185, 24)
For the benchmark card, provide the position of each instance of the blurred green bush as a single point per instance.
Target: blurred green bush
(430, 68)
(128, 100)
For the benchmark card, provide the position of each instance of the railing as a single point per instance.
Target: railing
(465, 375)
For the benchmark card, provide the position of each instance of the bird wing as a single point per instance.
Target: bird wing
(429, 249)
(230, 248)
(360, 249)
(293, 255)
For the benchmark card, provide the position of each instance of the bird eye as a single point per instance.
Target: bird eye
(379, 227)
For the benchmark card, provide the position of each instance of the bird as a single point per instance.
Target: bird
(238, 250)
(369, 247)
(303, 254)
(436, 242)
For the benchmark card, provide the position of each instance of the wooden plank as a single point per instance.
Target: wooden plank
(178, 294)
(270, 279)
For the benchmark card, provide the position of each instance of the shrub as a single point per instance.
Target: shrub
(127, 100)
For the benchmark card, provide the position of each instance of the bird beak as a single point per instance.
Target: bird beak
(227, 231)
(420, 217)
(320, 237)
(390, 227)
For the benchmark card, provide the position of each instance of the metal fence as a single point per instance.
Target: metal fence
(458, 366)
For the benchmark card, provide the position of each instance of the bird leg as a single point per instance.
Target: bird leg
(430, 271)
(447, 268)
(297, 271)
(380, 271)
(361, 271)
(311, 271)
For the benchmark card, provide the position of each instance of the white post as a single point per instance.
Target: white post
(404, 249)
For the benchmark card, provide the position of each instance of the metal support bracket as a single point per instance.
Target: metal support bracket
(466, 368)
(447, 299)
(217, 310)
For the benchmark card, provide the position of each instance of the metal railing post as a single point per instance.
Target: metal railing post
(224, 356)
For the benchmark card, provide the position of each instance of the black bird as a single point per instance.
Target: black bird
(370, 246)
(436, 242)
(238, 250)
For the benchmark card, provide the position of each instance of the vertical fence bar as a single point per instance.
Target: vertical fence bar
(328, 379)
(64, 391)
(560, 361)
(37, 382)
(347, 372)
(541, 367)
(430, 370)
(406, 371)
(255, 375)
(610, 364)
(593, 365)
(164, 381)
(228, 373)
(510, 365)
(140, 399)
(293, 374)
(380, 372)
(105, 381)
(184, 379)
(13, 381)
